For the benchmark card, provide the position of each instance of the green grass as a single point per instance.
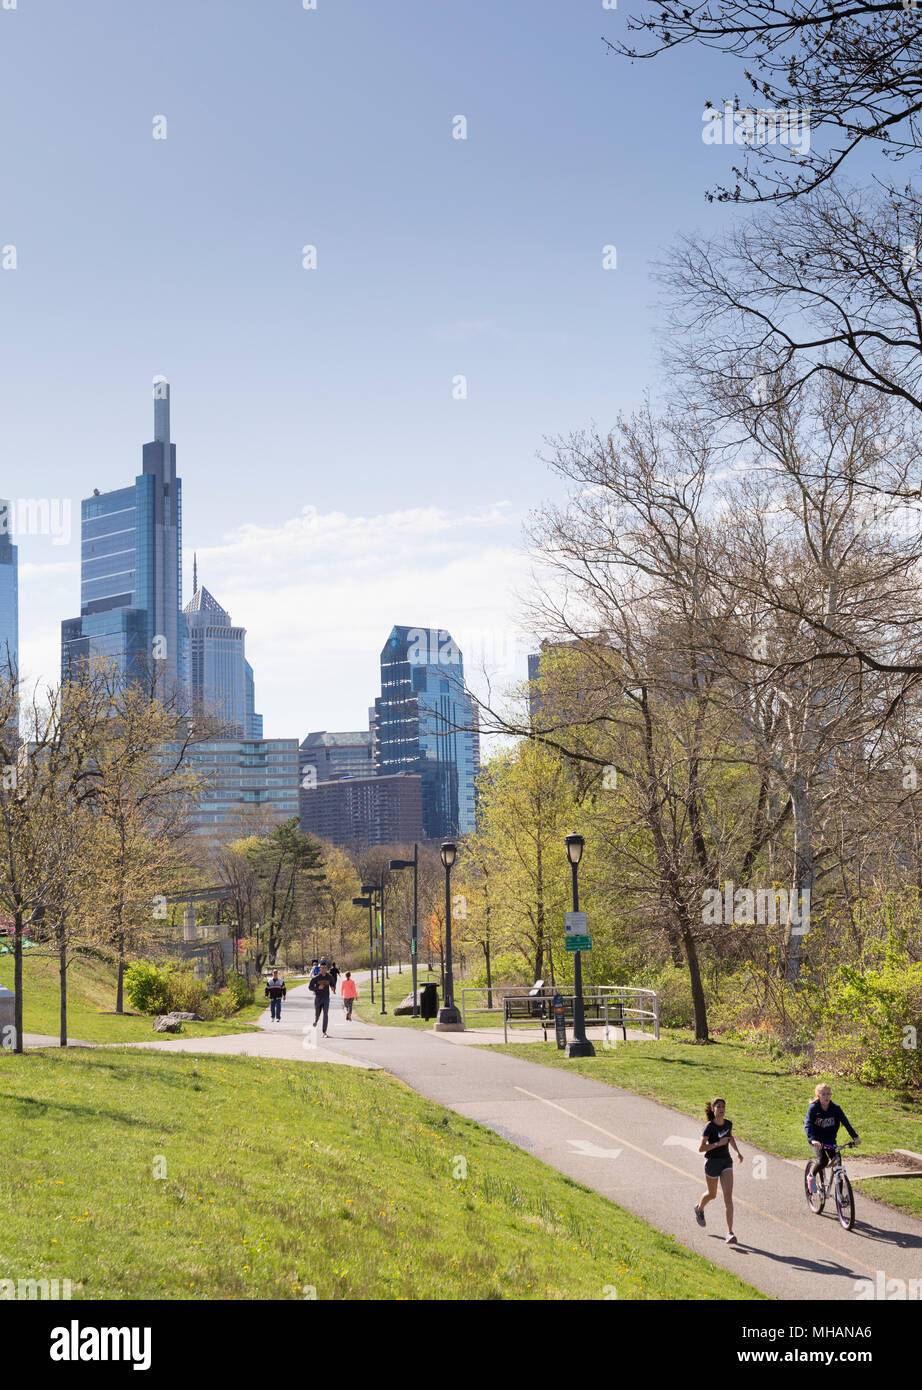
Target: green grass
(91, 1001)
(765, 1101)
(905, 1193)
(286, 1176)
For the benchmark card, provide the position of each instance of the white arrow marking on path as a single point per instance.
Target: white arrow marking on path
(590, 1150)
(690, 1144)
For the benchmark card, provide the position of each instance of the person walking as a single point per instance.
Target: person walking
(275, 993)
(334, 974)
(718, 1162)
(320, 987)
(349, 994)
(821, 1127)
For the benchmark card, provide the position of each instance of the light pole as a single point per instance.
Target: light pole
(366, 902)
(580, 1045)
(449, 1019)
(375, 891)
(414, 930)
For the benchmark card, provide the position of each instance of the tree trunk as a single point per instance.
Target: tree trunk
(62, 980)
(120, 983)
(803, 878)
(486, 954)
(697, 988)
(17, 981)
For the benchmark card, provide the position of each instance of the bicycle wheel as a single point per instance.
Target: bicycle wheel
(815, 1200)
(845, 1201)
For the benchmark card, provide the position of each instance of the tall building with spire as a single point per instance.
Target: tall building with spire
(130, 569)
(220, 679)
(9, 595)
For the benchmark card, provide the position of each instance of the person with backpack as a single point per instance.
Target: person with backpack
(319, 986)
(349, 995)
(275, 993)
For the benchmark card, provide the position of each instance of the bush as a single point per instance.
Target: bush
(872, 1024)
(161, 989)
(147, 987)
(239, 991)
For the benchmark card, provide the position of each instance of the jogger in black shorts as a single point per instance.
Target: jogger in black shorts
(718, 1163)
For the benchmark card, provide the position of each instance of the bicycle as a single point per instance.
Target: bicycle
(837, 1179)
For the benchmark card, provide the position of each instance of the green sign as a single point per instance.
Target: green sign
(412, 945)
(378, 922)
(578, 943)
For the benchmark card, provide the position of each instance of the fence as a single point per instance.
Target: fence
(636, 1006)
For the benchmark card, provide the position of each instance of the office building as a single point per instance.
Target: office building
(335, 755)
(220, 677)
(248, 786)
(355, 812)
(9, 594)
(426, 723)
(130, 580)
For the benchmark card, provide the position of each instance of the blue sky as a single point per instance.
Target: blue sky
(330, 389)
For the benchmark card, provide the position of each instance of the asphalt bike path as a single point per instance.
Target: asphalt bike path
(644, 1156)
(638, 1153)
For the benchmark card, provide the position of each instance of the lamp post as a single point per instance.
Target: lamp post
(449, 1019)
(366, 902)
(414, 930)
(375, 891)
(580, 1045)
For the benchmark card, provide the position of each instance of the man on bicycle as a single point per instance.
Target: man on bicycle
(822, 1126)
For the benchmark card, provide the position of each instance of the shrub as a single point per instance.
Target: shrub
(161, 989)
(147, 987)
(872, 1024)
(239, 991)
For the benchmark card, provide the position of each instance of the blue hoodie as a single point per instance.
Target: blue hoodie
(823, 1125)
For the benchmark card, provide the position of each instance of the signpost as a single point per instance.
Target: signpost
(560, 1023)
(576, 932)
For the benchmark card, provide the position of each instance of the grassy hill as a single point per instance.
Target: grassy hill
(91, 1004)
(170, 1176)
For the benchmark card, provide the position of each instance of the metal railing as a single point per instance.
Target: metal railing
(626, 1001)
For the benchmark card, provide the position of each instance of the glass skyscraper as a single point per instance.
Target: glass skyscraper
(130, 577)
(426, 723)
(9, 595)
(220, 678)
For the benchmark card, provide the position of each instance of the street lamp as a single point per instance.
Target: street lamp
(414, 937)
(580, 1045)
(366, 902)
(449, 1020)
(375, 891)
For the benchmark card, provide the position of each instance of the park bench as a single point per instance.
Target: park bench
(539, 1009)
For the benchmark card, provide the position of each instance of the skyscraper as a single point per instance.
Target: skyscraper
(130, 576)
(220, 677)
(426, 723)
(9, 594)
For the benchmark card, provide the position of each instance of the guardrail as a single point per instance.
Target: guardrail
(629, 1002)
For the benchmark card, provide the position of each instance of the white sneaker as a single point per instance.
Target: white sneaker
(732, 1240)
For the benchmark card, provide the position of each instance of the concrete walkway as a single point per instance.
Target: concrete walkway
(634, 1151)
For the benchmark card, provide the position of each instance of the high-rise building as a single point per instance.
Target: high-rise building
(361, 811)
(130, 573)
(9, 595)
(248, 785)
(220, 677)
(335, 755)
(426, 723)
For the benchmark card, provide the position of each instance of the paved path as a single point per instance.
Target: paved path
(634, 1151)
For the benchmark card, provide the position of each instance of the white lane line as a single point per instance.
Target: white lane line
(590, 1150)
(737, 1201)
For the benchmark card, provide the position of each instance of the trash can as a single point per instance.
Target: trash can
(429, 1001)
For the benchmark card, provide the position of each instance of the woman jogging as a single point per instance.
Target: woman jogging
(348, 993)
(718, 1163)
